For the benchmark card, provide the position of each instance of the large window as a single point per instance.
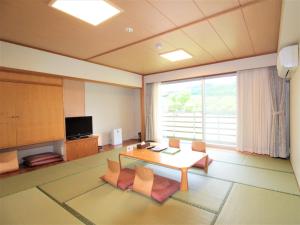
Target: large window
(200, 109)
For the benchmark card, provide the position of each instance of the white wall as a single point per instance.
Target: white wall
(24, 58)
(216, 68)
(290, 34)
(113, 107)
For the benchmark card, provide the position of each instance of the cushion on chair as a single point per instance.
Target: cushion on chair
(126, 178)
(201, 163)
(163, 188)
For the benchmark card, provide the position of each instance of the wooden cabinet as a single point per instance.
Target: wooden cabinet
(30, 113)
(81, 147)
(8, 114)
(42, 120)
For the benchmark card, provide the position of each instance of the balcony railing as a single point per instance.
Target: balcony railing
(214, 129)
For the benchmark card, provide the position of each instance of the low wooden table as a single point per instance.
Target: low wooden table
(182, 161)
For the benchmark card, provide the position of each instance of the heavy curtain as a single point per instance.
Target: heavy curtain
(262, 112)
(279, 90)
(152, 106)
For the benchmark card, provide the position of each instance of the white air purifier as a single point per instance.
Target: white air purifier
(116, 136)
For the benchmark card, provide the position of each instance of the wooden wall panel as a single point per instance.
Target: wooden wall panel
(40, 114)
(22, 77)
(74, 97)
(7, 115)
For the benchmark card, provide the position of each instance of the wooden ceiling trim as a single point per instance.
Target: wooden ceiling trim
(263, 20)
(190, 38)
(73, 57)
(41, 49)
(198, 45)
(232, 30)
(217, 32)
(179, 12)
(206, 37)
(247, 27)
(227, 60)
(176, 28)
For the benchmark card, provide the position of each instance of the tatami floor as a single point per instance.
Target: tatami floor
(238, 189)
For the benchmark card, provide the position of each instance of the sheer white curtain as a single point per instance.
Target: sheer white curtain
(152, 105)
(254, 111)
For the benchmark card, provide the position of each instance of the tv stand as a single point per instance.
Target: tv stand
(81, 147)
(78, 137)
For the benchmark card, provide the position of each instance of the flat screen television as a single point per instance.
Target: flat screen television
(78, 127)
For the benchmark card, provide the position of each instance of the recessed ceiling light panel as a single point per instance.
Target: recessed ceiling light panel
(91, 11)
(176, 55)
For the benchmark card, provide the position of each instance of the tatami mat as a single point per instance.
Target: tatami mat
(260, 161)
(100, 159)
(204, 192)
(247, 205)
(108, 205)
(274, 180)
(31, 179)
(33, 207)
(69, 187)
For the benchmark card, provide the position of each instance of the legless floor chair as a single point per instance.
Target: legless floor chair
(200, 147)
(174, 143)
(154, 186)
(121, 178)
(8, 162)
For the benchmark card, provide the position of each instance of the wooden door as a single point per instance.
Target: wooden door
(7, 115)
(40, 113)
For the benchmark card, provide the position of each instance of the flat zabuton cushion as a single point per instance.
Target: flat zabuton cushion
(41, 157)
(125, 179)
(46, 161)
(163, 188)
(201, 163)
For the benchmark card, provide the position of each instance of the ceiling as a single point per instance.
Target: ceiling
(210, 30)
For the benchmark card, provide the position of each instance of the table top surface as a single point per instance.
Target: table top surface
(179, 160)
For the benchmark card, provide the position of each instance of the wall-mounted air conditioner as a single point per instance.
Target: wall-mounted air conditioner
(287, 61)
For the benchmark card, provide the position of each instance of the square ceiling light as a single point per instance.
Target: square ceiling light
(91, 11)
(176, 55)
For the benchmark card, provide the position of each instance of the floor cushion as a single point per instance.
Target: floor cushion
(163, 188)
(41, 157)
(201, 163)
(44, 162)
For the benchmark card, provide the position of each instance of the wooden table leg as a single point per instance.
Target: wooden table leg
(184, 180)
(206, 164)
